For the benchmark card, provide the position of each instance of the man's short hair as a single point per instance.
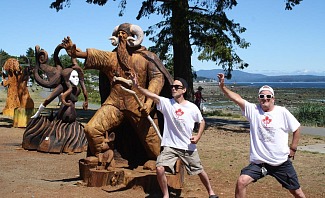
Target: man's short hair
(184, 83)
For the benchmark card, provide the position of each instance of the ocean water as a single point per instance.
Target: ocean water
(320, 85)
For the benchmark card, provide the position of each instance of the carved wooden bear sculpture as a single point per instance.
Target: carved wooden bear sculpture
(106, 157)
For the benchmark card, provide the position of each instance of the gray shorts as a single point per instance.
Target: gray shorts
(190, 159)
(284, 173)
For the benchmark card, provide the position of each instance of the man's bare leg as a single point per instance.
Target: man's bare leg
(206, 182)
(242, 182)
(162, 180)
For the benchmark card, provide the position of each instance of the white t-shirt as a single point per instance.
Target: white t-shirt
(269, 133)
(179, 120)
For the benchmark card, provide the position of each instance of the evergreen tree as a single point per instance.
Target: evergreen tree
(3, 57)
(202, 25)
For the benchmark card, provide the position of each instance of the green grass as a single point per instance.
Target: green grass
(308, 114)
(311, 114)
(222, 113)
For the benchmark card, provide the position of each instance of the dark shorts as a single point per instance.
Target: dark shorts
(284, 173)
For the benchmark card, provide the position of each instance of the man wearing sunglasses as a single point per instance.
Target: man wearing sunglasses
(270, 126)
(180, 115)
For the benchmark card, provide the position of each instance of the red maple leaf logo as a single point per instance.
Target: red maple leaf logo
(179, 112)
(267, 120)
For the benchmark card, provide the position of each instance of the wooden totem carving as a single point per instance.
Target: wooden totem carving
(136, 139)
(18, 95)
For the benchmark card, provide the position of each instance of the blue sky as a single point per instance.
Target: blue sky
(282, 42)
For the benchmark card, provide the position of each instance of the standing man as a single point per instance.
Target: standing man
(269, 131)
(178, 142)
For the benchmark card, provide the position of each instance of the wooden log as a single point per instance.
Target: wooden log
(84, 169)
(176, 180)
(96, 176)
(99, 178)
(22, 116)
(147, 181)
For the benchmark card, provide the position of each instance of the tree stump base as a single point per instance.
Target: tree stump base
(121, 177)
(22, 116)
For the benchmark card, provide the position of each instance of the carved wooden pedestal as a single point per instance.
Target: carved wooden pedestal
(121, 177)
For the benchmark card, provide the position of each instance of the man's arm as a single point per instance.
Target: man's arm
(230, 94)
(195, 138)
(144, 91)
(156, 83)
(294, 143)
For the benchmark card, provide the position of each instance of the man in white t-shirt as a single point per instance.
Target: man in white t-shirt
(270, 126)
(180, 115)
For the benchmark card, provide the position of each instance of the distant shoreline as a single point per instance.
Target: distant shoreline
(242, 76)
(289, 95)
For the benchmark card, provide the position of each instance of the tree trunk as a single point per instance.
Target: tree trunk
(181, 44)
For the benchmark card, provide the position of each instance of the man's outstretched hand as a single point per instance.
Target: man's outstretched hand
(221, 77)
(145, 109)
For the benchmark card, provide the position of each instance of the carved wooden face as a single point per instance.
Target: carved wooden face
(122, 35)
(74, 78)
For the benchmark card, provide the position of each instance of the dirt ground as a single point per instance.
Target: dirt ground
(224, 151)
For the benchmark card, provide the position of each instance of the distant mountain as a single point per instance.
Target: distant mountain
(240, 76)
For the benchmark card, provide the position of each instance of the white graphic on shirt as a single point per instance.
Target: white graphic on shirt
(180, 123)
(266, 131)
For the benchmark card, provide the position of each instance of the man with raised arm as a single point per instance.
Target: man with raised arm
(180, 115)
(270, 126)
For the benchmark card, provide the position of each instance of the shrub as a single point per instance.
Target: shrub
(311, 114)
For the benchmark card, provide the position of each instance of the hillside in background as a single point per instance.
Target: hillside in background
(240, 76)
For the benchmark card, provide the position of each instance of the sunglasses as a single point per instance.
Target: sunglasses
(268, 96)
(176, 87)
